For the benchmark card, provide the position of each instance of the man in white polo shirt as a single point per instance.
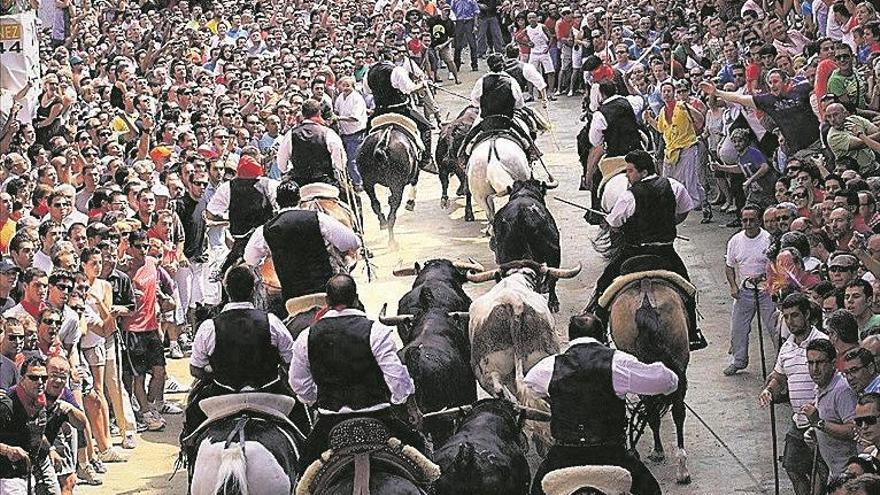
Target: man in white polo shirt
(791, 369)
(745, 265)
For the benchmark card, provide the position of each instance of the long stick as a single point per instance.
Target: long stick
(764, 376)
(597, 212)
(453, 93)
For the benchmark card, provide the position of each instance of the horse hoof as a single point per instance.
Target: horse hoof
(383, 224)
(684, 481)
(554, 307)
(410, 205)
(657, 456)
(444, 203)
(468, 217)
(460, 191)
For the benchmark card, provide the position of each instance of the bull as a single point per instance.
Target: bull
(511, 329)
(525, 229)
(487, 453)
(431, 320)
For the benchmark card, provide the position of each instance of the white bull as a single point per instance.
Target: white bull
(511, 328)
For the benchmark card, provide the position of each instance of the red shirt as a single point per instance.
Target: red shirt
(145, 280)
(563, 29)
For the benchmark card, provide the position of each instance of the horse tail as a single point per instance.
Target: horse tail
(232, 471)
(379, 153)
(650, 340)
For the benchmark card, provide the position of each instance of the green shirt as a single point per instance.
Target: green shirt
(838, 141)
(852, 89)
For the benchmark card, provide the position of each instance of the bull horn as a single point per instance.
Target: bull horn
(551, 182)
(458, 314)
(472, 266)
(481, 276)
(455, 411)
(563, 272)
(532, 413)
(393, 321)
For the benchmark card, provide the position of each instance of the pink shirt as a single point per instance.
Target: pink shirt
(145, 280)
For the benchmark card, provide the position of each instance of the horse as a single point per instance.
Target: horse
(246, 446)
(495, 163)
(648, 319)
(365, 458)
(389, 157)
(446, 155)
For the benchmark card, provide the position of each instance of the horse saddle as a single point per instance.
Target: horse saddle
(610, 167)
(363, 445)
(500, 126)
(318, 190)
(639, 268)
(401, 122)
(274, 406)
(301, 304)
(609, 480)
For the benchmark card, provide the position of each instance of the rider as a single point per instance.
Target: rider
(240, 350)
(585, 386)
(391, 86)
(525, 74)
(647, 214)
(253, 196)
(311, 151)
(346, 366)
(302, 239)
(614, 131)
(498, 96)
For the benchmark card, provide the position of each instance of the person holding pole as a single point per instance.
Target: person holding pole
(792, 371)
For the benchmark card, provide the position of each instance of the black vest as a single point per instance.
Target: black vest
(654, 218)
(586, 411)
(309, 157)
(497, 97)
(243, 351)
(301, 259)
(622, 134)
(343, 365)
(379, 81)
(248, 207)
(515, 68)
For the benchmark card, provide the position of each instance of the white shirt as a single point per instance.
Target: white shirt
(748, 256)
(334, 146)
(43, 262)
(219, 203)
(332, 230)
(628, 374)
(75, 216)
(531, 74)
(625, 207)
(792, 362)
(353, 106)
(203, 344)
(477, 92)
(400, 80)
(396, 375)
(599, 124)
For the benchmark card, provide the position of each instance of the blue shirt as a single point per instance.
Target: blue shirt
(465, 9)
(874, 386)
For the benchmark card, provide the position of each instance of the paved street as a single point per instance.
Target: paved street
(727, 404)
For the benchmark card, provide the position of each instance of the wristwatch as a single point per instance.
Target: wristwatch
(820, 425)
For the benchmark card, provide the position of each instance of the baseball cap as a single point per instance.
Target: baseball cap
(844, 260)
(7, 266)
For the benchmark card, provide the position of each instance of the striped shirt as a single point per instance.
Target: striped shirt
(792, 362)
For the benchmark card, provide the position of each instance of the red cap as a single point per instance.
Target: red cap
(248, 168)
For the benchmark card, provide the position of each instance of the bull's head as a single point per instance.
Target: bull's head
(532, 188)
(463, 266)
(542, 269)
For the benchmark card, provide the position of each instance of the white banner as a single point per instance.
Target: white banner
(19, 60)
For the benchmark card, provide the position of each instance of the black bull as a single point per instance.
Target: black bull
(486, 455)
(524, 229)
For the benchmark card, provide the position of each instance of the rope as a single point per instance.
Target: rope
(727, 448)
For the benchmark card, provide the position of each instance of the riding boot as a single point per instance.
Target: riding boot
(695, 335)
(592, 217)
(427, 161)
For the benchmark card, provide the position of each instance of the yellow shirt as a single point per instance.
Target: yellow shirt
(6, 234)
(212, 25)
(678, 134)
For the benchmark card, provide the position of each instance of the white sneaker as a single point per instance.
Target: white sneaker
(129, 442)
(153, 421)
(174, 351)
(112, 454)
(168, 408)
(451, 77)
(173, 386)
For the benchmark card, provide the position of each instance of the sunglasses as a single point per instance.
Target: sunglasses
(863, 421)
(63, 287)
(200, 183)
(841, 269)
(15, 338)
(105, 133)
(799, 196)
(44, 379)
(52, 322)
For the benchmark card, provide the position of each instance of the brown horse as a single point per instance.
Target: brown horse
(648, 320)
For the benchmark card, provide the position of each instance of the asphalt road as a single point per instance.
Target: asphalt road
(727, 404)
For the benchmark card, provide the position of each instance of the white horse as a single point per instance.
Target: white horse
(244, 453)
(494, 165)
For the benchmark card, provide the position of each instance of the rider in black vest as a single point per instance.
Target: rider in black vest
(613, 132)
(647, 214)
(295, 240)
(391, 86)
(241, 350)
(310, 157)
(585, 386)
(498, 95)
(336, 368)
(247, 205)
